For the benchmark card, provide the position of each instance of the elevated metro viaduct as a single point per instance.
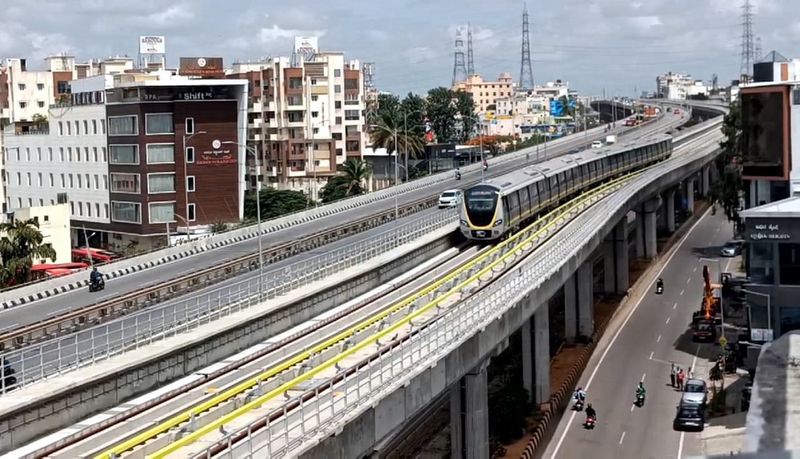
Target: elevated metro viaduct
(463, 373)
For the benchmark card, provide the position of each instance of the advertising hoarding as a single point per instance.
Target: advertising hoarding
(206, 67)
(152, 44)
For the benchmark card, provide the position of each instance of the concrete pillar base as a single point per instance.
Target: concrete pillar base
(541, 355)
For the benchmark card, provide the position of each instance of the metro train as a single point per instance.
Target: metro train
(493, 209)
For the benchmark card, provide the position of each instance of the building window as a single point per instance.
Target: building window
(30, 202)
(80, 208)
(190, 183)
(62, 87)
(27, 154)
(158, 123)
(23, 104)
(60, 128)
(337, 73)
(40, 86)
(41, 203)
(189, 154)
(160, 153)
(121, 125)
(72, 208)
(338, 104)
(61, 154)
(38, 153)
(189, 126)
(86, 154)
(69, 155)
(40, 104)
(63, 182)
(19, 180)
(124, 154)
(71, 181)
(39, 179)
(85, 127)
(337, 88)
(105, 182)
(105, 210)
(162, 212)
(19, 203)
(105, 158)
(125, 183)
(96, 183)
(314, 98)
(88, 182)
(351, 115)
(126, 212)
(80, 181)
(88, 209)
(190, 213)
(28, 175)
(77, 128)
(21, 86)
(97, 209)
(52, 180)
(161, 183)
(94, 128)
(103, 127)
(96, 155)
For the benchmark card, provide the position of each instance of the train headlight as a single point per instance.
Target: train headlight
(498, 222)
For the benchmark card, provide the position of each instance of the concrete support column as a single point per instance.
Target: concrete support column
(706, 183)
(527, 356)
(541, 355)
(650, 208)
(469, 416)
(639, 232)
(690, 196)
(571, 307)
(615, 259)
(585, 278)
(670, 210)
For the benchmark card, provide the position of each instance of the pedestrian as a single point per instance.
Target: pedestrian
(672, 373)
(681, 376)
(690, 373)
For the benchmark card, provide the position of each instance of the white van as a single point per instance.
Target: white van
(597, 144)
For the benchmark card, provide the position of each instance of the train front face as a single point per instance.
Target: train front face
(482, 213)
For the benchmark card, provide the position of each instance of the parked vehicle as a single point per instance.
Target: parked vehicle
(695, 392)
(689, 417)
(704, 330)
(732, 248)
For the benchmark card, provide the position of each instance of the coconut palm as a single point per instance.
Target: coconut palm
(20, 245)
(409, 138)
(356, 172)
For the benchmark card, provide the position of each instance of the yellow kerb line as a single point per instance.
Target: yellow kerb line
(246, 385)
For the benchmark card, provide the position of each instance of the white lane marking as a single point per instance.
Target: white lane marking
(643, 376)
(689, 280)
(633, 405)
(683, 291)
(668, 319)
(675, 306)
(651, 354)
(622, 438)
(658, 340)
(683, 434)
(9, 326)
(619, 331)
(694, 270)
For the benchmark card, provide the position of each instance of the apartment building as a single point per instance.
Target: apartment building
(486, 93)
(678, 86)
(306, 116)
(138, 156)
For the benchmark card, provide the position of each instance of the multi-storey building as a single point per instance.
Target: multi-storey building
(679, 87)
(306, 118)
(486, 93)
(137, 156)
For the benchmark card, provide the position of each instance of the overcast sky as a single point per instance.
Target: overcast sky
(618, 45)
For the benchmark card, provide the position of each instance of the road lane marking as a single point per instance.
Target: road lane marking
(694, 270)
(668, 319)
(658, 340)
(622, 438)
(689, 280)
(683, 434)
(643, 375)
(651, 355)
(675, 306)
(619, 331)
(683, 291)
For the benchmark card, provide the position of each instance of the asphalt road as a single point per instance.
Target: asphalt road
(654, 334)
(76, 299)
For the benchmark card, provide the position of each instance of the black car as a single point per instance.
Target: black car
(689, 417)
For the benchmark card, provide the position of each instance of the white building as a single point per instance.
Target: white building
(55, 227)
(676, 86)
(552, 90)
(65, 162)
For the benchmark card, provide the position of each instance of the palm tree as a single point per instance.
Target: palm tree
(409, 138)
(355, 172)
(20, 245)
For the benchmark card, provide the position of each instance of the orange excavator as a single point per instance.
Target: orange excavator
(711, 304)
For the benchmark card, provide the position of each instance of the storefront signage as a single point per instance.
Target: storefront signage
(217, 157)
(206, 67)
(768, 231)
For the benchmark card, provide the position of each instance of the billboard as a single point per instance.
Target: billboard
(152, 44)
(765, 140)
(306, 46)
(206, 67)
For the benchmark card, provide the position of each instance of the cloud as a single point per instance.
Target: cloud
(275, 33)
(419, 55)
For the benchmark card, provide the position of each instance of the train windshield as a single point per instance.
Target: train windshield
(481, 201)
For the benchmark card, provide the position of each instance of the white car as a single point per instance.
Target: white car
(449, 198)
(597, 144)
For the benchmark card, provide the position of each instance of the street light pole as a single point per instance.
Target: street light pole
(396, 179)
(769, 308)
(258, 207)
(88, 250)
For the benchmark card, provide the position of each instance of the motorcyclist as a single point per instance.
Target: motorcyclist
(580, 395)
(485, 164)
(660, 284)
(590, 412)
(458, 174)
(95, 276)
(640, 391)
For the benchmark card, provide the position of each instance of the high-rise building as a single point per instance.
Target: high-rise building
(304, 118)
(677, 86)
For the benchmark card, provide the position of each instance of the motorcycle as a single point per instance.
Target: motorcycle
(589, 423)
(97, 284)
(458, 176)
(578, 406)
(639, 400)
(659, 289)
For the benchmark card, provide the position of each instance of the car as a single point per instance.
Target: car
(689, 417)
(704, 330)
(695, 392)
(732, 248)
(449, 198)
(677, 111)
(597, 144)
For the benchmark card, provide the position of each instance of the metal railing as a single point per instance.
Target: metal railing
(62, 354)
(319, 411)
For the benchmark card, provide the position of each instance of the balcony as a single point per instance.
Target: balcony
(353, 135)
(319, 90)
(296, 172)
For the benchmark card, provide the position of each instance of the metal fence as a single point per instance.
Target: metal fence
(319, 416)
(89, 346)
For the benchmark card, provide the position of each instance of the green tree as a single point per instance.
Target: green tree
(385, 103)
(442, 111)
(465, 107)
(275, 203)
(350, 182)
(21, 244)
(391, 124)
(726, 191)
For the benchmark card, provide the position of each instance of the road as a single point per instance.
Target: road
(654, 333)
(76, 299)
